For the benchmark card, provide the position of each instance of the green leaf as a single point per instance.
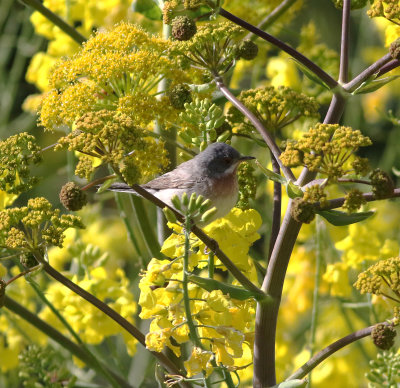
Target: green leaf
(395, 171)
(148, 8)
(272, 175)
(374, 84)
(293, 191)
(310, 75)
(209, 285)
(106, 185)
(338, 218)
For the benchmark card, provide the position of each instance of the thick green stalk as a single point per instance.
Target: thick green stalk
(193, 335)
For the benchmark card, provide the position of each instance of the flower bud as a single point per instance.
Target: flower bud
(176, 202)
(169, 215)
(247, 50)
(208, 215)
(382, 183)
(302, 211)
(185, 199)
(179, 95)
(28, 260)
(183, 28)
(394, 49)
(383, 336)
(72, 197)
(192, 203)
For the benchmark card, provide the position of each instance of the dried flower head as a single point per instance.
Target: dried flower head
(382, 183)
(302, 211)
(72, 197)
(383, 336)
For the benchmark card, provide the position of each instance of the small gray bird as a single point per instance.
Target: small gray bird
(211, 173)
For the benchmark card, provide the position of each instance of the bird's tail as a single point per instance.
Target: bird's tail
(122, 188)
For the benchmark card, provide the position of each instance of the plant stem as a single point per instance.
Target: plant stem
(66, 343)
(211, 264)
(129, 227)
(162, 228)
(364, 75)
(267, 313)
(315, 309)
(145, 227)
(193, 335)
(344, 47)
(388, 67)
(283, 46)
(272, 17)
(329, 350)
(69, 30)
(277, 207)
(257, 124)
(369, 197)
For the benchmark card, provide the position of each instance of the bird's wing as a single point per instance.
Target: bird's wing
(176, 179)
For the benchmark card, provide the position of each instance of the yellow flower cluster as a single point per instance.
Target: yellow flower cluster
(380, 278)
(224, 324)
(118, 70)
(325, 148)
(389, 9)
(35, 226)
(113, 138)
(85, 16)
(274, 107)
(214, 47)
(87, 321)
(17, 154)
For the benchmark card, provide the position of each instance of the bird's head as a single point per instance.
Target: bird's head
(220, 159)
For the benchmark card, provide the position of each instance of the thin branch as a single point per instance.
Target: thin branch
(344, 47)
(56, 336)
(257, 124)
(364, 75)
(68, 29)
(208, 241)
(272, 17)
(329, 350)
(388, 67)
(313, 67)
(369, 197)
(131, 329)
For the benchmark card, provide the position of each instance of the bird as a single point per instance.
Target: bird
(212, 173)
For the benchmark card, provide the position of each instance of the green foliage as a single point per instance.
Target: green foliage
(202, 119)
(43, 368)
(385, 370)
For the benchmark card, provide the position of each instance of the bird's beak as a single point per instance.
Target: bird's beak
(244, 158)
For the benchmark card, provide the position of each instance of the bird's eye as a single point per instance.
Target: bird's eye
(228, 160)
